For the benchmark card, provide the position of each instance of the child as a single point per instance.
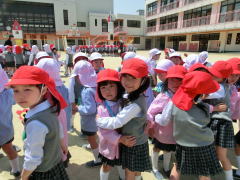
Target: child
(48, 50)
(79, 56)
(163, 135)
(10, 60)
(221, 122)
(110, 91)
(154, 55)
(33, 54)
(203, 56)
(191, 60)
(26, 53)
(97, 61)
(19, 57)
(88, 108)
(195, 151)
(6, 126)
(132, 118)
(34, 89)
(176, 58)
(161, 71)
(68, 61)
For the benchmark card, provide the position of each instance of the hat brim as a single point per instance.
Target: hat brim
(175, 76)
(236, 72)
(22, 82)
(215, 73)
(132, 73)
(107, 79)
(159, 71)
(183, 100)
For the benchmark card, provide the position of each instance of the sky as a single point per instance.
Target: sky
(128, 6)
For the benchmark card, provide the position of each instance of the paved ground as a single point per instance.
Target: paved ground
(77, 169)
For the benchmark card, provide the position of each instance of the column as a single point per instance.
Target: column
(188, 40)
(180, 20)
(157, 24)
(222, 39)
(216, 7)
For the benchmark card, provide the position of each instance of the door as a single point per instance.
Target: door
(203, 45)
(162, 43)
(148, 43)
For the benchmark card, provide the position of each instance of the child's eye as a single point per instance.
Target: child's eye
(27, 89)
(15, 91)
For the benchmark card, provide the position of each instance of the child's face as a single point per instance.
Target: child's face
(156, 57)
(97, 64)
(174, 83)
(109, 91)
(176, 60)
(28, 96)
(130, 83)
(162, 76)
(233, 78)
(9, 50)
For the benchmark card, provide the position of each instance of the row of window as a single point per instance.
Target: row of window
(229, 38)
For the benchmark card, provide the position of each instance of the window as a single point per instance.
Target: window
(136, 40)
(176, 38)
(104, 25)
(71, 42)
(151, 23)
(81, 24)
(95, 22)
(229, 38)
(65, 17)
(198, 12)
(198, 37)
(133, 23)
(169, 19)
(229, 5)
(238, 38)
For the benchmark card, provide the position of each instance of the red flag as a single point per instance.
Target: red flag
(109, 18)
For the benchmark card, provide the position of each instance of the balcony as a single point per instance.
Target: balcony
(199, 21)
(151, 29)
(229, 16)
(172, 25)
(152, 13)
(187, 2)
(169, 6)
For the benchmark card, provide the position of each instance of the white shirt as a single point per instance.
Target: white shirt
(123, 117)
(218, 94)
(36, 133)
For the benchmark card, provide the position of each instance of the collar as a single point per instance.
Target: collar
(40, 107)
(111, 103)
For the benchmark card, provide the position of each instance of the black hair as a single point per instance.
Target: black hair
(164, 86)
(143, 87)
(120, 89)
(56, 104)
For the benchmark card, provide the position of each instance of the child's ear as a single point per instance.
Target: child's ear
(44, 90)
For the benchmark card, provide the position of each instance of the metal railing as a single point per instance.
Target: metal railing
(199, 21)
(169, 6)
(229, 16)
(152, 13)
(118, 29)
(172, 25)
(151, 29)
(186, 2)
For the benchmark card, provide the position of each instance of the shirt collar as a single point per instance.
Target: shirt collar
(112, 103)
(40, 107)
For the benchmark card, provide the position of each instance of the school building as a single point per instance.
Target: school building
(193, 25)
(80, 22)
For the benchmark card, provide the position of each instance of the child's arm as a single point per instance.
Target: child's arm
(30, 59)
(88, 105)
(165, 117)
(36, 133)
(123, 117)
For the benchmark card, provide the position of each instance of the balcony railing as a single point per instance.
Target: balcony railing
(229, 16)
(172, 25)
(186, 2)
(169, 6)
(118, 29)
(204, 20)
(151, 29)
(152, 13)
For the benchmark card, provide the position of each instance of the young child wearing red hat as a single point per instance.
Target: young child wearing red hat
(34, 89)
(6, 125)
(221, 122)
(195, 150)
(159, 130)
(26, 53)
(110, 91)
(10, 60)
(132, 118)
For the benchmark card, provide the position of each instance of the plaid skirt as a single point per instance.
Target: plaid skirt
(109, 162)
(136, 158)
(56, 173)
(163, 147)
(197, 161)
(223, 133)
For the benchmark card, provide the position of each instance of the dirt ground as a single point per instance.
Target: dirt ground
(80, 156)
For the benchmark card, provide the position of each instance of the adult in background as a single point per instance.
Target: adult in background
(9, 41)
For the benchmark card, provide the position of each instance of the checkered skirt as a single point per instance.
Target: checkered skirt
(163, 146)
(56, 173)
(223, 133)
(136, 158)
(197, 161)
(114, 162)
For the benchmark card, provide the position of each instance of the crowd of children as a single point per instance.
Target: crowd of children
(184, 106)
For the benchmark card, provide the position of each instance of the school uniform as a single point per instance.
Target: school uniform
(42, 145)
(10, 59)
(2, 60)
(69, 60)
(26, 54)
(19, 60)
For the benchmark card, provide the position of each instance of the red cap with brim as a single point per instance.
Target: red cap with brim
(176, 72)
(32, 75)
(108, 75)
(135, 67)
(221, 69)
(235, 63)
(159, 71)
(196, 66)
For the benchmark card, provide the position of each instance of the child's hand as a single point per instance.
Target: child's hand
(151, 132)
(220, 107)
(128, 141)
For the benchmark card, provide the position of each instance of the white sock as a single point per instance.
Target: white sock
(138, 177)
(228, 175)
(95, 154)
(14, 165)
(166, 160)
(155, 161)
(121, 172)
(103, 175)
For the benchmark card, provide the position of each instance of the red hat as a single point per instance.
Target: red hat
(176, 72)
(196, 66)
(235, 63)
(52, 46)
(221, 69)
(18, 49)
(135, 67)
(108, 75)
(193, 84)
(25, 45)
(34, 75)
